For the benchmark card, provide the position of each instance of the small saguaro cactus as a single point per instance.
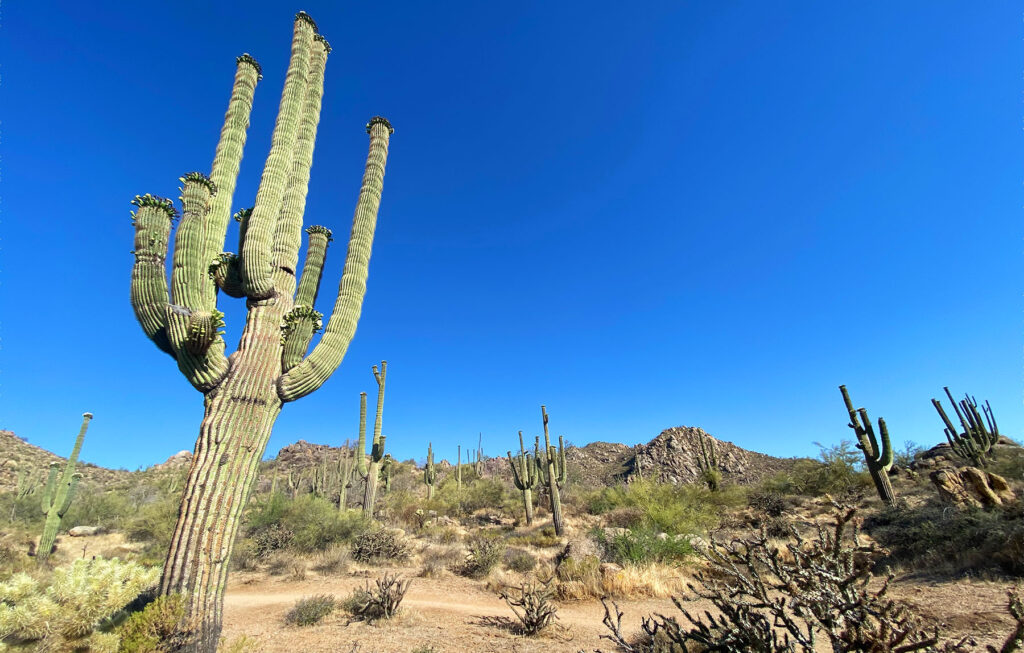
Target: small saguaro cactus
(385, 471)
(429, 472)
(708, 462)
(59, 492)
(346, 463)
(478, 464)
(458, 469)
(879, 460)
(976, 442)
(369, 469)
(526, 477)
(553, 472)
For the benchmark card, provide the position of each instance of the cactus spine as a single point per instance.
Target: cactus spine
(708, 462)
(244, 396)
(429, 473)
(976, 442)
(369, 470)
(526, 477)
(554, 473)
(59, 493)
(879, 460)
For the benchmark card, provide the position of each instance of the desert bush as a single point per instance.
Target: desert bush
(110, 509)
(77, 609)
(378, 546)
(440, 534)
(378, 602)
(624, 517)
(439, 559)
(822, 584)
(937, 537)
(531, 604)
(666, 507)
(767, 502)
(240, 644)
(484, 554)
(541, 538)
(152, 523)
(271, 539)
(285, 562)
(243, 556)
(160, 626)
(519, 560)
(642, 546)
(310, 610)
(314, 523)
(334, 560)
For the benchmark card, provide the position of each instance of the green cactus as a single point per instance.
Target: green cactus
(346, 465)
(385, 472)
(526, 477)
(369, 470)
(59, 493)
(707, 462)
(975, 443)
(478, 463)
(458, 469)
(553, 473)
(244, 395)
(879, 460)
(429, 472)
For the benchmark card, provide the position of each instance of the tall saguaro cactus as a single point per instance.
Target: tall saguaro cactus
(708, 462)
(878, 459)
(525, 477)
(458, 469)
(346, 464)
(244, 393)
(976, 442)
(368, 470)
(59, 492)
(553, 471)
(429, 472)
(478, 463)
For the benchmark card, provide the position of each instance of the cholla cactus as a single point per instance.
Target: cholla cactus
(60, 491)
(369, 470)
(976, 442)
(526, 477)
(878, 459)
(553, 473)
(429, 473)
(244, 394)
(69, 614)
(708, 462)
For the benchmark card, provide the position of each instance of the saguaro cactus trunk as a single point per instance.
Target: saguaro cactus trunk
(525, 477)
(553, 470)
(60, 491)
(243, 394)
(369, 470)
(429, 472)
(878, 459)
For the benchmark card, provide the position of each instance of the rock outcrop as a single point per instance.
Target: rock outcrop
(970, 486)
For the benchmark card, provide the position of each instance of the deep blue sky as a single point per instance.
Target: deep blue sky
(706, 214)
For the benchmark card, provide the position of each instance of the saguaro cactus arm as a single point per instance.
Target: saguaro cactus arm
(149, 293)
(361, 446)
(311, 373)
(976, 440)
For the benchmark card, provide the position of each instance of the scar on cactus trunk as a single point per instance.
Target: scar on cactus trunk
(59, 492)
(553, 471)
(243, 394)
(879, 460)
(525, 477)
(369, 470)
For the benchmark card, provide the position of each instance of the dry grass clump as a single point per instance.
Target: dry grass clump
(311, 610)
(654, 580)
(334, 560)
(287, 564)
(540, 538)
(438, 560)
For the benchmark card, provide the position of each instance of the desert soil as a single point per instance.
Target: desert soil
(455, 615)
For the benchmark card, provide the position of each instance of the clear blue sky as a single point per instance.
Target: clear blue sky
(706, 214)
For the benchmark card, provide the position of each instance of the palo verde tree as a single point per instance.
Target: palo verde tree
(878, 459)
(59, 493)
(244, 393)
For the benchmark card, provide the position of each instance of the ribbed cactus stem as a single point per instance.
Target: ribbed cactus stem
(60, 491)
(346, 465)
(878, 459)
(458, 469)
(708, 462)
(978, 437)
(555, 474)
(385, 472)
(377, 449)
(478, 464)
(525, 477)
(429, 473)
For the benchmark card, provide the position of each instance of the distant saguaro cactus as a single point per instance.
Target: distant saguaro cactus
(429, 473)
(369, 470)
(458, 468)
(553, 473)
(976, 442)
(708, 462)
(879, 460)
(59, 492)
(478, 464)
(525, 477)
(346, 465)
(244, 394)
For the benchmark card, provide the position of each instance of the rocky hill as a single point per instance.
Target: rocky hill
(19, 457)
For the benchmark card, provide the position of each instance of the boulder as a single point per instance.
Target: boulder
(85, 531)
(970, 486)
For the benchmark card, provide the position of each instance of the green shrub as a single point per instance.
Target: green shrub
(333, 561)
(520, 561)
(767, 502)
(666, 507)
(153, 523)
(160, 626)
(379, 546)
(541, 538)
(641, 546)
(313, 522)
(270, 539)
(484, 554)
(310, 610)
